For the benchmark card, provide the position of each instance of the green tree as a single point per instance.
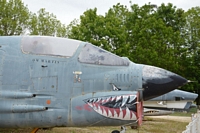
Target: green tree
(192, 39)
(144, 34)
(174, 18)
(72, 24)
(115, 30)
(46, 24)
(108, 32)
(14, 17)
(90, 28)
(159, 36)
(153, 40)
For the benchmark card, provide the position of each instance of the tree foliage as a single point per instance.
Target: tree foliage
(46, 24)
(89, 29)
(164, 36)
(14, 17)
(152, 39)
(192, 39)
(144, 34)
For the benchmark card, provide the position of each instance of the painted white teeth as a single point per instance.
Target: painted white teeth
(121, 114)
(95, 100)
(109, 114)
(99, 110)
(125, 98)
(104, 113)
(98, 99)
(132, 98)
(128, 115)
(90, 105)
(103, 100)
(113, 99)
(108, 99)
(118, 98)
(116, 112)
(133, 116)
(91, 100)
(95, 108)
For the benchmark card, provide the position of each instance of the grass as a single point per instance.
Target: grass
(189, 113)
(150, 125)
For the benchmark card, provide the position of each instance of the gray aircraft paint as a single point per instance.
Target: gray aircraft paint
(175, 100)
(176, 95)
(42, 87)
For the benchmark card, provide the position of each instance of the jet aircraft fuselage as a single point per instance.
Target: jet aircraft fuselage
(176, 100)
(49, 81)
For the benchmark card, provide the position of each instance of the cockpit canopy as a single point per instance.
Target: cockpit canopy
(91, 54)
(64, 47)
(53, 46)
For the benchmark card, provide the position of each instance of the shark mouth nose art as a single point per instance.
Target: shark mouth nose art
(116, 107)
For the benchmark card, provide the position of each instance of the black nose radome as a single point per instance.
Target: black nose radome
(157, 81)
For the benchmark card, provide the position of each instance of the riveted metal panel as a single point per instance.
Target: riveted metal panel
(2, 57)
(45, 83)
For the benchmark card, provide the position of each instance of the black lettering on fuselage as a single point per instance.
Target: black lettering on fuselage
(46, 61)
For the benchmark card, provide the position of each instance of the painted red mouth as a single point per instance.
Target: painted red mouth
(117, 107)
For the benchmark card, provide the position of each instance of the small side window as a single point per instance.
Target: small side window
(177, 98)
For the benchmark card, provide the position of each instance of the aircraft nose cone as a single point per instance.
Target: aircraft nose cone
(188, 95)
(157, 81)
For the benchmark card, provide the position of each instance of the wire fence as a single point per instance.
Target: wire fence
(194, 125)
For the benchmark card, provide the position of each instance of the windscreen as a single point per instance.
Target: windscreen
(94, 55)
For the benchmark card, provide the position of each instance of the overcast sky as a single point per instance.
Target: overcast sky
(68, 10)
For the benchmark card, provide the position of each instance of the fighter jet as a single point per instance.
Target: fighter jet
(57, 82)
(176, 100)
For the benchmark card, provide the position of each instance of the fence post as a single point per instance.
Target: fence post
(194, 125)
